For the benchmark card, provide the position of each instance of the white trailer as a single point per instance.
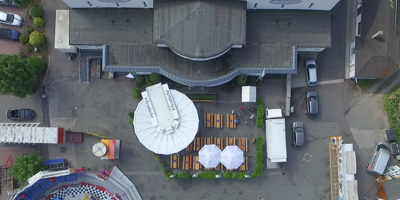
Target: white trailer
(275, 138)
(32, 135)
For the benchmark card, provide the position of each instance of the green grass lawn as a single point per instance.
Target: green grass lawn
(366, 83)
(392, 107)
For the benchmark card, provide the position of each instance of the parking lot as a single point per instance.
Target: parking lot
(9, 46)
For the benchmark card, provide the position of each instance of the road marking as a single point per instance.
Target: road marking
(303, 84)
(20, 124)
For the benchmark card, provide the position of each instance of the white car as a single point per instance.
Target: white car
(311, 73)
(10, 19)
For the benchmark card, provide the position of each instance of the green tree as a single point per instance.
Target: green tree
(39, 22)
(36, 11)
(23, 39)
(36, 39)
(241, 80)
(22, 3)
(25, 166)
(155, 78)
(15, 75)
(36, 63)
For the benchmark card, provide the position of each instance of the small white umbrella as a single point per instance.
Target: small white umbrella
(210, 156)
(232, 157)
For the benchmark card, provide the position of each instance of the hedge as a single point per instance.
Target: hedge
(136, 93)
(131, 115)
(24, 39)
(259, 157)
(260, 122)
(241, 80)
(165, 170)
(155, 78)
(208, 175)
(184, 175)
(202, 96)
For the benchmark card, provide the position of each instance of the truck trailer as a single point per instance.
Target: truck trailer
(32, 135)
(275, 138)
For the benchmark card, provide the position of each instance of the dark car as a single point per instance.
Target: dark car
(312, 103)
(20, 114)
(8, 3)
(9, 34)
(298, 134)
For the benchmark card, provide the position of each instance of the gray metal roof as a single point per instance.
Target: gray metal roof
(110, 26)
(200, 29)
(392, 189)
(377, 58)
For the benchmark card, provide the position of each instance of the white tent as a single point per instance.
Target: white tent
(232, 157)
(165, 121)
(249, 94)
(210, 156)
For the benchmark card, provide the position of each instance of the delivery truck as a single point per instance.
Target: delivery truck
(275, 138)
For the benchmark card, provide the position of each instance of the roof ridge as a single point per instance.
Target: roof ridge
(171, 27)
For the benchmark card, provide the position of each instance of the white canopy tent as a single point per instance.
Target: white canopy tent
(232, 157)
(249, 93)
(210, 156)
(166, 121)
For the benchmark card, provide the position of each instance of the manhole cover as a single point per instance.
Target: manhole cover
(307, 157)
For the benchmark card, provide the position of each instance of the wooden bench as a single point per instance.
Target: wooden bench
(219, 142)
(197, 145)
(243, 144)
(174, 161)
(230, 141)
(245, 165)
(196, 163)
(186, 162)
(210, 120)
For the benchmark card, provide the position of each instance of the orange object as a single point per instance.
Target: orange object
(190, 162)
(240, 143)
(9, 160)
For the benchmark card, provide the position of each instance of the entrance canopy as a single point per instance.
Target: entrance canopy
(249, 94)
(166, 121)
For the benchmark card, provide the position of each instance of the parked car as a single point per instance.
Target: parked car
(311, 72)
(9, 34)
(20, 114)
(10, 19)
(379, 159)
(312, 103)
(8, 3)
(298, 134)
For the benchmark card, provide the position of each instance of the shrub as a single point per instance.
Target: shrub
(147, 79)
(251, 81)
(208, 175)
(165, 170)
(140, 79)
(22, 3)
(21, 54)
(29, 30)
(238, 175)
(260, 114)
(138, 84)
(130, 115)
(39, 22)
(241, 80)
(155, 78)
(28, 48)
(228, 174)
(36, 39)
(24, 39)
(259, 157)
(183, 175)
(149, 84)
(36, 11)
(36, 63)
(136, 93)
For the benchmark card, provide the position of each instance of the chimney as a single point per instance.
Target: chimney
(377, 34)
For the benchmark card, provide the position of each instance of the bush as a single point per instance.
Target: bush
(392, 107)
(138, 84)
(36, 63)
(147, 79)
(22, 3)
(208, 175)
(21, 54)
(36, 12)
(184, 175)
(241, 80)
(140, 79)
(149, 84)
(228, 174)
(130, 115)
(29, 30)
(136, 93)
(155, 78)
(36, 39)
(24, 39)
(238, 175)
(202, 96)
(39, 22)
(251, 81)
(259, 157)
(260, 122)
(165, 170)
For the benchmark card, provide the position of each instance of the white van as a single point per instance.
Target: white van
(311, 72)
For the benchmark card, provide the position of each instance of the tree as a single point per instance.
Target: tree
(155, 78)
(39, 22)
(36, 39)
(36, 63)
(22, 3)
(241, 80)
(36, 11)
(23, 39)
(25, 166)
(15, 75)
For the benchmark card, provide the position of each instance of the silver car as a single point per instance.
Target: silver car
(298, 134)
(311, 73)
(10, 19)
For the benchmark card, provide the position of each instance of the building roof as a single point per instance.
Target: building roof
(392, 189)
(200, 30)
(379, 57)
(110, 26)
(166, 121)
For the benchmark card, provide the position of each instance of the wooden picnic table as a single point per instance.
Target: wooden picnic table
(244, 166)
(230, 120)
(174, 161)
(243, 144)
(186, 162)
(230, 141)
(196, 163)
(219, 142)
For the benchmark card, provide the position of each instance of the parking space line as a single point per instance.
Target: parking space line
(297, 84)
